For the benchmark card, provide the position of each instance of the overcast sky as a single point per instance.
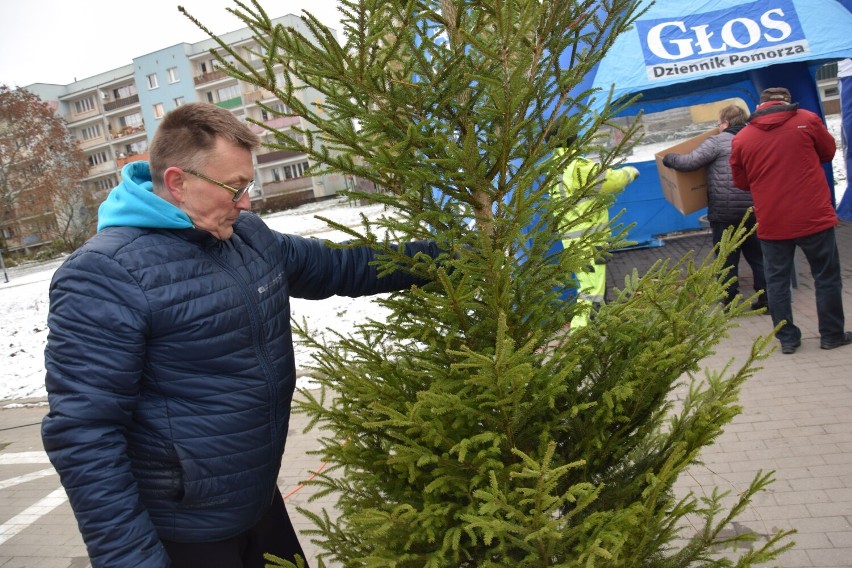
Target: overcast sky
(59, 41)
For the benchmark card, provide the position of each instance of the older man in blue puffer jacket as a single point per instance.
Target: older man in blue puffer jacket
(170, 366)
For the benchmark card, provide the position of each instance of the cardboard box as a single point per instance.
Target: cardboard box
(687, 191)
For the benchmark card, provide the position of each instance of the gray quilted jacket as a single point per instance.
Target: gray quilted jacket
(725, 203)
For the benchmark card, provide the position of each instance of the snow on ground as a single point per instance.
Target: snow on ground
(24, 298)
(24, 302)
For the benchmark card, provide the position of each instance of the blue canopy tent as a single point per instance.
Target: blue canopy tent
(686, 53)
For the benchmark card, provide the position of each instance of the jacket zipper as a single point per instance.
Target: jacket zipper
(260, 347)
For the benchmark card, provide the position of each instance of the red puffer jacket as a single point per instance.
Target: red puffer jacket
(778, 158)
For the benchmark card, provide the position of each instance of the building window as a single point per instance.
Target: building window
(131, 120)
(84, 105)
(179, 102)
(172, 74)
(98, 158)
(91, 132)
(228, 59)
(159, 111)
(228, 93)
(137, 148)
(124, 92)
(255, 52)
(297, 170)
(152, 81)
(279, 109)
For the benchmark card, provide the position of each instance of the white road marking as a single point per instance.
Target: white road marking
(34, 512)
(31, 514)
(17, 458)
(11, 482)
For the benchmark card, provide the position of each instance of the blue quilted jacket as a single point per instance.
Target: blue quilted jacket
(170, 371)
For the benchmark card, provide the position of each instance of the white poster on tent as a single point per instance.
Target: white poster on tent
(756, 33)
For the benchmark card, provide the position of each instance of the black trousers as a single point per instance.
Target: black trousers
(273, 534)
(823, 257)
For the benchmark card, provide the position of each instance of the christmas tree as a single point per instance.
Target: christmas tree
(480, 431)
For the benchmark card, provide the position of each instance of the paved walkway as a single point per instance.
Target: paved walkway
(796, 420)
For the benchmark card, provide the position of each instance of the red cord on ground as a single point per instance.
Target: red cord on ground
(313, 475)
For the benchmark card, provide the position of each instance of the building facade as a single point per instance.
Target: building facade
(829, 89)
(114, 115)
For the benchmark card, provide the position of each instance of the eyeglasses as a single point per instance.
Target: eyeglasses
(238, 193)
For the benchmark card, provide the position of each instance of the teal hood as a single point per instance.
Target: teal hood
(132, 203)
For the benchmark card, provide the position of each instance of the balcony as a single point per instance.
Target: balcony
(209, 77)
(128, 131)
(99, 169)
(28, 231)
(278, 123)
(275, 156)
(28, 243)
(91, 142)
(230, 103)
(258, 95)
(275, 188)
(78, 116)
(122, 161)
(286, 194)
(121, 103)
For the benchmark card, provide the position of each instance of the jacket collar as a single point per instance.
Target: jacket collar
(772, 107)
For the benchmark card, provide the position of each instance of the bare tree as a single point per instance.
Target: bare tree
(42, 198)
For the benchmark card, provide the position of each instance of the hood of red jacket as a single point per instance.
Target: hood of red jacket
(772, 114)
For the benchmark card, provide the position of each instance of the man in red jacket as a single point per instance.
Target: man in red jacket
(778, 158)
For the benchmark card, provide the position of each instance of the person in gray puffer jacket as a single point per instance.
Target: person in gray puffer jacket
(726, 204)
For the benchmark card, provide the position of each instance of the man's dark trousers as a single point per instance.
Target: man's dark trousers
(820, 250)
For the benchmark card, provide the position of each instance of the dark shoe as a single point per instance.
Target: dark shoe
(790, 348)
(846, 340)
(759, 305)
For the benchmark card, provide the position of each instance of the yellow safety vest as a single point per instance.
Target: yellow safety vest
(575, 176)
(579, 220)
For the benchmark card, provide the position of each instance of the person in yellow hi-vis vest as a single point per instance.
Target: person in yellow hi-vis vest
(591, 283)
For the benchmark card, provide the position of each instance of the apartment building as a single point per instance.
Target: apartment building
(114, 115)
